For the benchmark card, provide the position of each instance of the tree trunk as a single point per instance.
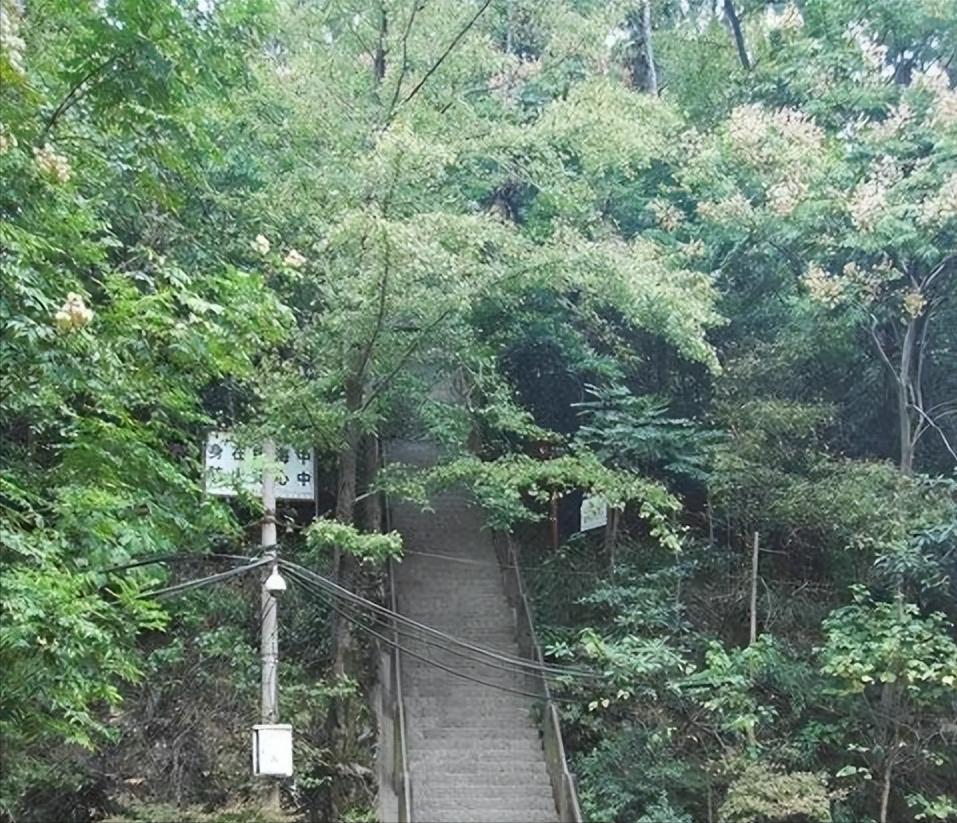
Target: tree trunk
(755, 549)
(343, 564)
(378, 59)
(611, 537)
(343, 711)
(372, 502)
(905, 390)
(642, 58)
(651, 75)
(738, 35)
(886, 788)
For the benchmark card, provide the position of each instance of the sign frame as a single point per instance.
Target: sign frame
(593, 513)
(227, 464)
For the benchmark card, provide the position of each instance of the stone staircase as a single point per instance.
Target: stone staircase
(474, 751)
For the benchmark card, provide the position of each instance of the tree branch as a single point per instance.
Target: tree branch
(735, 24)
(933, 424)
(73, 96)
(465, 30)
(404, 66)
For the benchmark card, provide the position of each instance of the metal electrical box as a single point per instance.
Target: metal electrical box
(272, 749)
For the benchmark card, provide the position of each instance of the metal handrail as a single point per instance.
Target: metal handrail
(564, 790)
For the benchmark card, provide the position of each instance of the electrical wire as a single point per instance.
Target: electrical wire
(339, 591)
(206, 581)
(416, 638)
(343, 593)
(173, 558)
(325, 597)
(555, 670)
(471, 652)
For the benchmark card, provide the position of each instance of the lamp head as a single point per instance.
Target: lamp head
(275, 583)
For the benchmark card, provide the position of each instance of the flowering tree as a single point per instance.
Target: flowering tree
(862, 209)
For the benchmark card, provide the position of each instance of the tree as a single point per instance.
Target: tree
(896, 670)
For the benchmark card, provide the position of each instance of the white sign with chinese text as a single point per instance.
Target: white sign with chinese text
(594, 513)
(230, 465)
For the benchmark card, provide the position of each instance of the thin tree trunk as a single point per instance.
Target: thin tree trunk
(651, 75)
(755, 549)
(553, 521)
(886, 788)
(343, 712)
(344, 563)
(611, 537)
(904, 391)
(378, 59)
(738, 35)
(640, 51)
(343, 570)
(508, 26)
(372, 503)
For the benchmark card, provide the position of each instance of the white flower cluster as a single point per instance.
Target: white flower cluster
(936, 81)
(788, 19)
(666, 214)
(868, 200)
(867, 203)
(747, 129)
(895, 122)
(505, 82)
(730, 209)
(942, 206)
(73, 314)
(873, 52)
(912, 304)
(786, 195)
(12, 46)
(750, 126)
(822, 288)
(868, 283)
(294, 259)
(51, 165)
(7, 141)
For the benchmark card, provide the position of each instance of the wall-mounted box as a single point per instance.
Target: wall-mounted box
(272, 749)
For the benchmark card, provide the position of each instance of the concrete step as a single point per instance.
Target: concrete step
(457, 814)
(474, 750)
(479, 770)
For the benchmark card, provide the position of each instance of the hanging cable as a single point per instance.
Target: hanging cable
(325, 597)
(173, 558)
(206, 581)
(343, 593)
(516, 661)
(415, 638)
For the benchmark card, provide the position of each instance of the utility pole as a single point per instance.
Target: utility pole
(269, 647)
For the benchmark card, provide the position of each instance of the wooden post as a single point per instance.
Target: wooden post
(754, 589)
(553, 520)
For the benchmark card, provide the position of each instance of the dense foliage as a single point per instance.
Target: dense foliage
(700, 260)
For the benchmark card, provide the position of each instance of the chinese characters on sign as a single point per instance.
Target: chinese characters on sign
(229, 465)
(594, 513)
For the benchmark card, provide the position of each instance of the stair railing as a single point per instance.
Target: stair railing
(564, 790)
